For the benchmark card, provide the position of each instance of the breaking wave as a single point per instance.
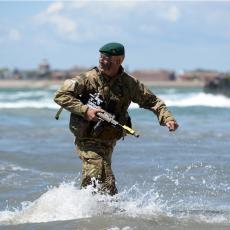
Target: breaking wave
(66, 202)
(27, 99)
(197, 99)
(44, 99)
(11, 167)
(193, 99)
(37, 104)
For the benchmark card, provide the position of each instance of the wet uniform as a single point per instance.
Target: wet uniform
(95, 148)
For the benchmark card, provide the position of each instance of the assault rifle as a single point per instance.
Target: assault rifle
(95, 102)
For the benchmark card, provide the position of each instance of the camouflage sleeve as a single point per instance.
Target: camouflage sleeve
(67, 95)
(147, 100)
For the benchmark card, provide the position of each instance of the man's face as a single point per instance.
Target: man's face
(105, 62)
(108, 64)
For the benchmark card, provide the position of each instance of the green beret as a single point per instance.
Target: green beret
(113, 49)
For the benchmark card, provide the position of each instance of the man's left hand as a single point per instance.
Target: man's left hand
(172, 125)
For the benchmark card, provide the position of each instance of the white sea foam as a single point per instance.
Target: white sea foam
(133, 106)
(197, 99)
(192, 99)
(66, 202)
(117, 228)
(27, 99)
(23, 94)
(11, 167)
(44, 99)
(37, 104)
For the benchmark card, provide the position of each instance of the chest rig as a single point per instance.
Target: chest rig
(112, 93)
(112, 99)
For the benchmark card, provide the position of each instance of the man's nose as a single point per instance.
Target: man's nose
(103, 61)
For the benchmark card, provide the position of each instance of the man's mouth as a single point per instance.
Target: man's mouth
(105, 66)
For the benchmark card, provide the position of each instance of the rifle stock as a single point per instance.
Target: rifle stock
(58, 113)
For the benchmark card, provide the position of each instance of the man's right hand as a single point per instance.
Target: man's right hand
(91, 114)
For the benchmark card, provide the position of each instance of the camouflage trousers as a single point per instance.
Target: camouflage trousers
(96, 165)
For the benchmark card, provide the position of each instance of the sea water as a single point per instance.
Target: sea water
(165, 180)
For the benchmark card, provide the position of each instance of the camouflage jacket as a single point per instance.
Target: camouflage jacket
(117, 94)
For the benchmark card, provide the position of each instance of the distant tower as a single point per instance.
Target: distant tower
(16, 74)
(44, 67)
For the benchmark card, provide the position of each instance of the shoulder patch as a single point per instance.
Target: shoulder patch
(69, 85)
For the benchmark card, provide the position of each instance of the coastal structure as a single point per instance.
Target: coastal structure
(218, 85)
(45, 72)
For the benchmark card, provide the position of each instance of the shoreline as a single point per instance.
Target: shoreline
(7, 84)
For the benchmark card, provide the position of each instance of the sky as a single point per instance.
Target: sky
(174, 35)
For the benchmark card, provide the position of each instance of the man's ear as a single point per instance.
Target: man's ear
(118, 59)
(121, 59)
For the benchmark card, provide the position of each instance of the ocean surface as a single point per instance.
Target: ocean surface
(166, 180)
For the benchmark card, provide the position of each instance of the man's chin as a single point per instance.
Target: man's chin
(103, 70)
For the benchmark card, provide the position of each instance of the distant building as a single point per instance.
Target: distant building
(58, 75)
(16, 74)
(65, 74)
(4, 73)
(43, 67)
(198, 75)
(154, 75)
(73, 72)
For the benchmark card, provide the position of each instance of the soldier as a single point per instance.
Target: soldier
(117, 90)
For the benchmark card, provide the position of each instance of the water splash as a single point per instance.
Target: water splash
(66, 202)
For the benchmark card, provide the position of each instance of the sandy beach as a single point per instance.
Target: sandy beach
(48, 83)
